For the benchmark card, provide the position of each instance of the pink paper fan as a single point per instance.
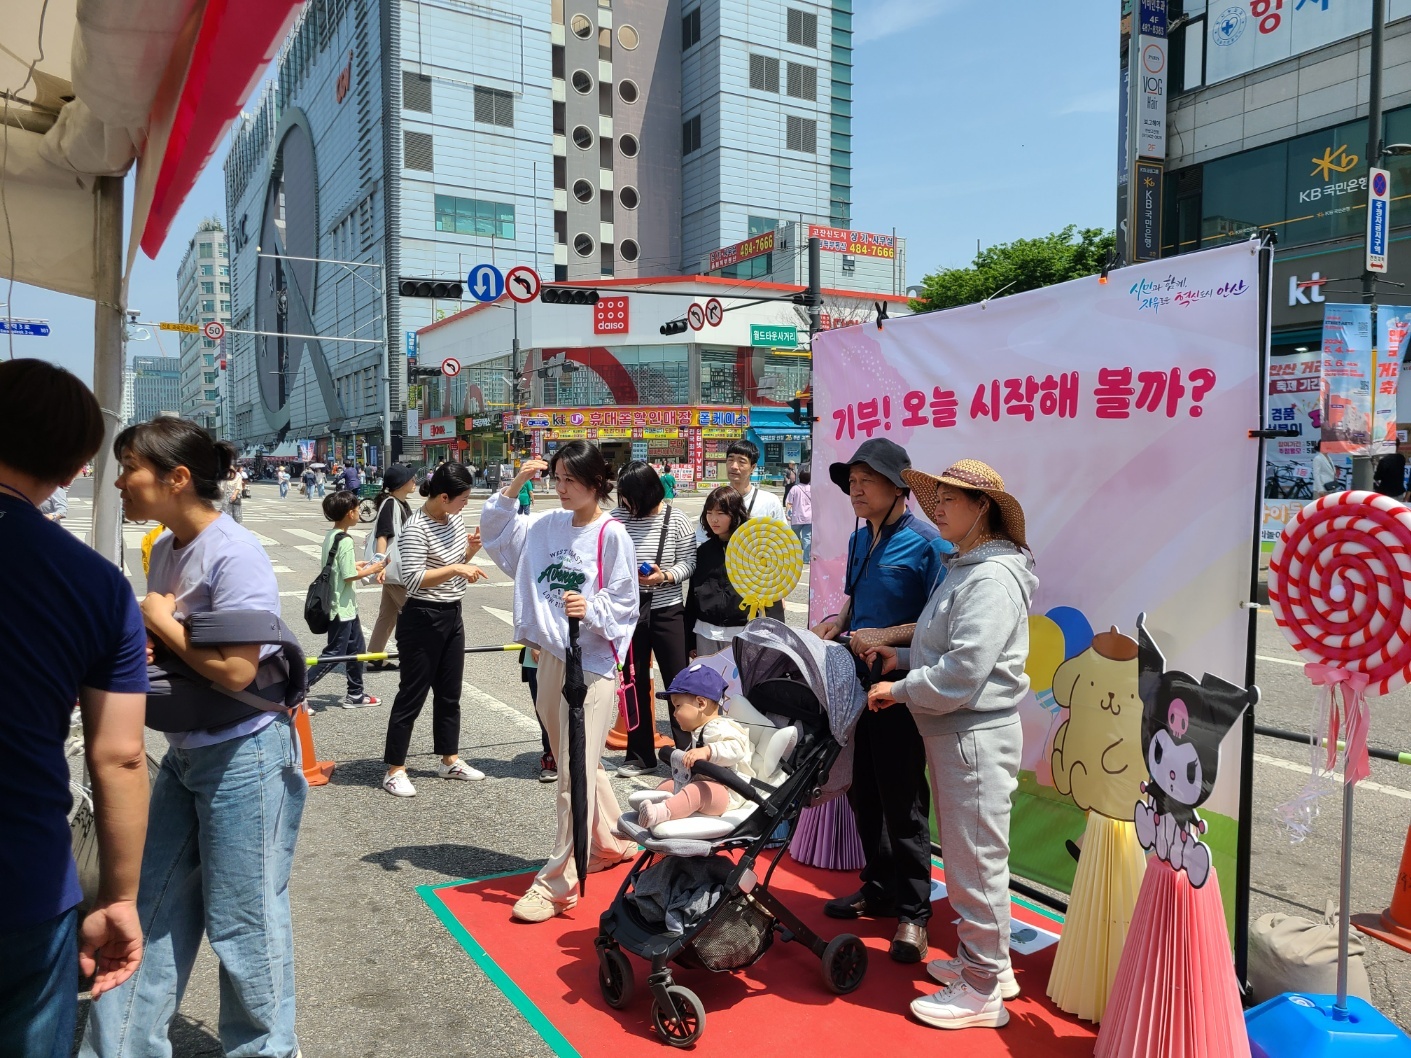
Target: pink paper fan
(826, 836)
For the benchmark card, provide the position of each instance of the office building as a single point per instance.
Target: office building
(203, 295)
(584, 139)
(156, 387)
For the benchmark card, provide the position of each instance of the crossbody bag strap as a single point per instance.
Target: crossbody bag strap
(333, 548)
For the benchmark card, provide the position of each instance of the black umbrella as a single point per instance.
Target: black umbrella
(575, 691)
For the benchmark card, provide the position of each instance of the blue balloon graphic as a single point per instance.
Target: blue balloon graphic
(1077, 632)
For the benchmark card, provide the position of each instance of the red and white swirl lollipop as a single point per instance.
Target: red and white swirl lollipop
(1338, 585)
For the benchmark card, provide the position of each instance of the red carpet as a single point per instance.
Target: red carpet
(779, 1007)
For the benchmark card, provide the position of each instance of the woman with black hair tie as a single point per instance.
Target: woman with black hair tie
(664, 540)
(435, 552)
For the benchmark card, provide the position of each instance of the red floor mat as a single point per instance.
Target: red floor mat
(778, 1007)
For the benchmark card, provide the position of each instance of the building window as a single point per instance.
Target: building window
(416, 91)
(560, 226)
(691, 135)
(581, 25)
(801, 134)
(208, 288)
(556, 62)
(628, 38)
(628, 197)
(208, 270)
(605, 152)
(583, 190)
(764, 73)
(629, 249)
(416, 150)
(582, 82)
(583, 137)
(627, 91)
(760, 225)
(205, 249)
(803, 81)
(471, 216)
(560, 118)
(609, 265)
(690, 31)
(583, 244)
(803, 28)
(605, 207)
(628, 146)
(213, 394)
(224, 270)
(225, 306)
(494, 107)
(605, 99)
(209, 305)
(560, 172)
(210, 377)
(225, 288)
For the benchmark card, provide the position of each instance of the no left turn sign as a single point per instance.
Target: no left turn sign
(714, 312)
(214, 330)
(522, 283)
(450, 367)
(696, 317)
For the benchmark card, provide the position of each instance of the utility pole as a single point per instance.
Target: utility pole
(1362, 465)
(815, 285)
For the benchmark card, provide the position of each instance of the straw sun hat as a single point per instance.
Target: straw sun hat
(975, 476)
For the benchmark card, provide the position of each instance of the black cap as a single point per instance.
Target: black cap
(885, 457)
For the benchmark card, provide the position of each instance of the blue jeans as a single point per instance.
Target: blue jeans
(805, 535)
(283, 489)
(39, 989)
(220, 845)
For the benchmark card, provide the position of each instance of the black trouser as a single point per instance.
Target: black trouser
(531, 677)
(891, 801)
(661, 632)
(431, 640)
(344, 638)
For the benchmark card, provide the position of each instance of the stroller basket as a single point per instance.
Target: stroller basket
(739, 933)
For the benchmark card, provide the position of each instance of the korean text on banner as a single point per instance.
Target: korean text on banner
(1119, 415)
(1292, 408)
(1350, 392)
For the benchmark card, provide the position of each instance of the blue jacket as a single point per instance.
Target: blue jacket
(891, 585)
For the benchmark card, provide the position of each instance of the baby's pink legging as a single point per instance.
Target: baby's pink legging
(697, 796)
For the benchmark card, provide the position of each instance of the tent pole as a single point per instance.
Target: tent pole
(108, 362)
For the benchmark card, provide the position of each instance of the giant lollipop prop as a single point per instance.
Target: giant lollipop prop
(764, 562)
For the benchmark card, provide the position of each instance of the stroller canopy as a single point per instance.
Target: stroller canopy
(769, 650)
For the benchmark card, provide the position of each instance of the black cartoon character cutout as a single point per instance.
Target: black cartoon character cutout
(1183, 723)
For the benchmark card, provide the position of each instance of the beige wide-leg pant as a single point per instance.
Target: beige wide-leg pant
(559, 878)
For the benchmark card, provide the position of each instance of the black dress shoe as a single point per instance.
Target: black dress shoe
(909, 944)
(858, 905)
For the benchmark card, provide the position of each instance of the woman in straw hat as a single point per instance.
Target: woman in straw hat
(964, 687)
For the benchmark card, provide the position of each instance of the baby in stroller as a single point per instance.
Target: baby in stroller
(695, 696)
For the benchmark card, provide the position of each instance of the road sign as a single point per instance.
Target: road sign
(33, 328)
(695, 316)
(522, 283)
(184, 328)
(450, 367)
(1378, 218)
(715, 312)
(411, 344)
(214, 330)
(485, 282)
(774, 337)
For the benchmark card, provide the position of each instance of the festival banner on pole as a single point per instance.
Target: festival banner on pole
(1358, 396)
(1119, 414)
(1292, 406)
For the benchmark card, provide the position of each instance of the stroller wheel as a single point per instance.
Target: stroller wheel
(844, 963)
(615, 978)
(684, 1026)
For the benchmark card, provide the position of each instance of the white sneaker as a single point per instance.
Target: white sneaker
(947, 970)
(398, 785)
(459, 770)
(958, 1006)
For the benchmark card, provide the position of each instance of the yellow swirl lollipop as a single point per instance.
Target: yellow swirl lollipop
(764, 562)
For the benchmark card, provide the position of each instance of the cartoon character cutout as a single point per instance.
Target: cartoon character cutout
(1097, 754)
(1183, 723)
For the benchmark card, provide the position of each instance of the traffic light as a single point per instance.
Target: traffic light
(798, 414)
(412, 287)
(674, 327)
(568, 296)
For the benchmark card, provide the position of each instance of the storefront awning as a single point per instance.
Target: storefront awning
(775, 424)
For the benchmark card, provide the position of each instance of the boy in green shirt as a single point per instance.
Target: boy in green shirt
(345, 631)
(526, 497)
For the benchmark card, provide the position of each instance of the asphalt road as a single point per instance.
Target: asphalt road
(378, 975)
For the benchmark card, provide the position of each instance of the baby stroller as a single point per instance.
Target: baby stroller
(720, 915)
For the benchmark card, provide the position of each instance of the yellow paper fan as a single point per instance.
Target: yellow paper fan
(764, 562)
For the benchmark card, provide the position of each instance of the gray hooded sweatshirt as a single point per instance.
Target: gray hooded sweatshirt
(971, 643)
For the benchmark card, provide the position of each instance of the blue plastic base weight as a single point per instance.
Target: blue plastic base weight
(1307, 1026)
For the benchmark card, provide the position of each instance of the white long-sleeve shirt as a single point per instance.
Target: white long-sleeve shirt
(547, 555)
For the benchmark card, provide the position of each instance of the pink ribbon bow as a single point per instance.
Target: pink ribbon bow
(1345, 698)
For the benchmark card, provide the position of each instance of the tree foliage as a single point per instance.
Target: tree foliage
(1026, 263)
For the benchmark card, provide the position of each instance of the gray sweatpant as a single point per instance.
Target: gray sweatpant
(973, 775)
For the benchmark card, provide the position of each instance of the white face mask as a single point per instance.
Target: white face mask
(983, 515)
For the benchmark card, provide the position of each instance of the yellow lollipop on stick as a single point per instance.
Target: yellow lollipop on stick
(764, 562)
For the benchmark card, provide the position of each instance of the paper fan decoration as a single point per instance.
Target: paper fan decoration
(764, 562)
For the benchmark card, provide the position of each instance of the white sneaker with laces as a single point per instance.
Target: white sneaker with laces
(958, 1006)
(398, 785)
(459, 770)
(947, 970)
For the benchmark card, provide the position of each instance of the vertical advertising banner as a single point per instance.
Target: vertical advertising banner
(1292, 406)
(1358, 395)
(1151, 80)
(1118, 415)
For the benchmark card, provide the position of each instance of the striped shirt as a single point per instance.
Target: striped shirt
(678, 557)
(426, 544)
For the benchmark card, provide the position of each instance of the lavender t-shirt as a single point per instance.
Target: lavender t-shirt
(224, 568)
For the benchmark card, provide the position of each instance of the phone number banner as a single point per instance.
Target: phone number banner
(1119, 415)
(1353, 421)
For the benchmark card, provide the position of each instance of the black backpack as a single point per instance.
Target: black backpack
(318, 603)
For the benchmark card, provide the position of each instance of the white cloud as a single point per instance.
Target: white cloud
(1100, 102)
(876, 19)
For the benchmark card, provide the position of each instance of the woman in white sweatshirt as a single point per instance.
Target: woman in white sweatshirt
(573, 562)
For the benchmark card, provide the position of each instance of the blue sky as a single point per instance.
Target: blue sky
(968, 124)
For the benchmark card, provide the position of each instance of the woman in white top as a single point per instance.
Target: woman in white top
(434, 553)
(574, 562)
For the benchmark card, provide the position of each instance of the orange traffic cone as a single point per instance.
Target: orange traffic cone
(1394, 924)
(316, 771)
